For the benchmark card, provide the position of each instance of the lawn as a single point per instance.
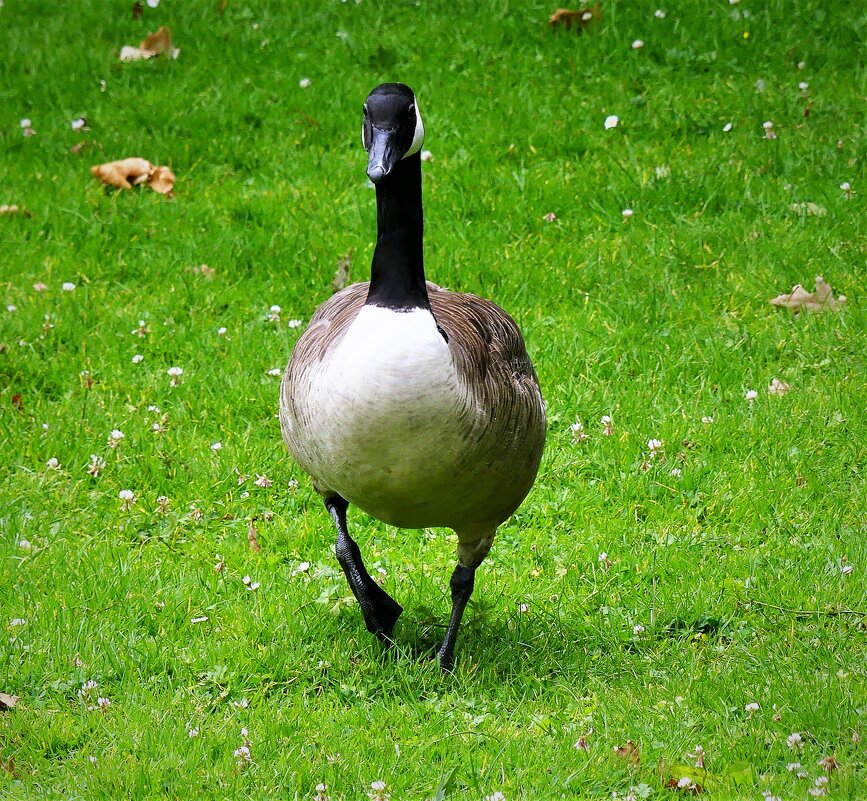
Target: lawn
(197, 640)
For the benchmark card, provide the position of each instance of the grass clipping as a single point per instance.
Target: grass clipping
(127, 173)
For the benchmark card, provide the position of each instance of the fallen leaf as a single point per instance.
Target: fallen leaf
(809, 208)
(629, 752)
(801, 300)
(777, 387)
(126, 173)
(251, 538)
(154, 44)
(579, 19)
(162, 180)
(7, 701)
(341, 277)
(8, 767)
(12, 208)
(18, 404)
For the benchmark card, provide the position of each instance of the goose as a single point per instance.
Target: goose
(418, 405)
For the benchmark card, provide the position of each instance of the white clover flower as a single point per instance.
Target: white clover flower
(795, 741)
(637, 44)
(263, 481)
(68, 286)
(115, 438)
(17, 622)
(304, 83)
(727, 127)
(627, 213)
(654, 445)
(750, 395)
(611, 121)
(103, 703)
(377, 791)
(846, 189)
(97, 463)
(221, 331)
(25, 545)
(751, 707)
(676, 472)
(659, 13)
(496, 796)
(127, 498)
(638, 629)
(175, 373)
(26, 122)
(275, 371)
(793, 766)
(295, 323)
(803, 86)
(193, 733)
(274, 313)
(39, 286)
(142, 330)
(137, 359)
(246, 580)
(707, 420)
(153, 3)
(608, 425)
(12, 308)
(87, 687)
(78, 123)
(242, 754)
(217, 446)
(53, 463)
(426, 155)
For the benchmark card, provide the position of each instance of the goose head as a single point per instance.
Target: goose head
(392, 129)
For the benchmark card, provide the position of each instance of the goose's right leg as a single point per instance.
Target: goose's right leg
(380, 610)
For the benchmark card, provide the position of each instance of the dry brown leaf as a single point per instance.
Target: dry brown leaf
(341, 277)
(251, 538)
(629, 752)
(154, 44)
(8, 767)
(579, 20)
(162, 180)
(801, 300)
(7, 701)
(126, 173)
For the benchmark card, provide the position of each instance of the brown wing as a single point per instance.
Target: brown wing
(489, 353)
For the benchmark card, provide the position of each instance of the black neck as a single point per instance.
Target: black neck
(397, 273)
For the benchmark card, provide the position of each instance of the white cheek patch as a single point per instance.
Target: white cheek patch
(418, 137)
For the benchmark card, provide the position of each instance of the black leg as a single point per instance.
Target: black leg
(462, 583)
(380, 610)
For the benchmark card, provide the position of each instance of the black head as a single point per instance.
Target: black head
(392, 128)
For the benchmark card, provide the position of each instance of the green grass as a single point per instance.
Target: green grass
(734, 569)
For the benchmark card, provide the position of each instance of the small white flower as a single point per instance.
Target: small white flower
(114, 439)
(322, 792)
(78, 123)
(201, 619)
(777, 387)
(68, 286)
(662, 171)
(676, 472)
(795, 741)
(263, 481)
(304, 83)
(846, 189)
(659, 13)
(221, 331)
(275, 371)
(127, 498)
(426, 155)
(524, 608)
(637, 44)
(803, 86)
(26, 123)
(638, 629)
(246, 580)
(846, 569)
(684, 783)
(654, 445)
(751, 707)
(217, 446)
(103, 703)
(627, 213)
(497, 796)
(163, 504)
(92, 760)
(342, 35)
(53, 463)
(86, 688)
(820, 781)
(303, 567)
(193, 733)
(707, 420)
(611, 121)
(25, 545)
(244, 732)
(137, 359)
(585, 17)
(793, 766)
(17, 622)
(750, 395)
(242, 754)
(253, 586)
(768, 127)
(608, 425)
(295, 323)
(157, 428)
(175, 373)
(39, 287)
(242, 704)
(12, 308)
(727, 127)
(153, 3)
(377, 791)
(142, 330)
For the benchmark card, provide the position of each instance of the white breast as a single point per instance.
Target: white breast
(385, 410)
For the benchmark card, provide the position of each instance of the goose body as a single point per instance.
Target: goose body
(416, 404)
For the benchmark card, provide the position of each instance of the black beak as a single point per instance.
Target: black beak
(382, 156)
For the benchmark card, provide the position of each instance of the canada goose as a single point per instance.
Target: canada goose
(416, 404)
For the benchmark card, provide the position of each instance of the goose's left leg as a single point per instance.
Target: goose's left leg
(470, 556)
